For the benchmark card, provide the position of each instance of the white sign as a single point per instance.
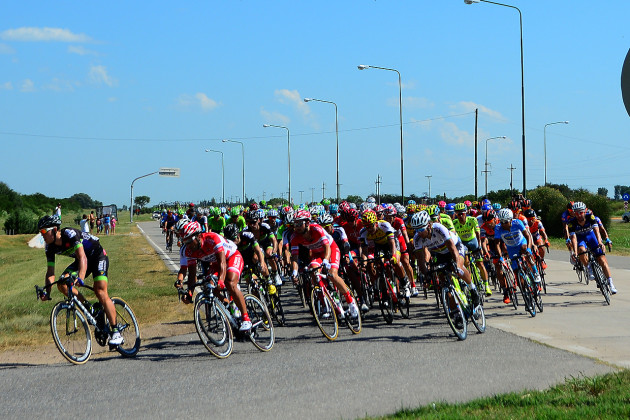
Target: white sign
(169, 172)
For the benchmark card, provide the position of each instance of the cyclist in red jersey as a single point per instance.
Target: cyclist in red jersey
(391, 216)
(539, 236)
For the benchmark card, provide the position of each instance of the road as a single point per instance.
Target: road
(386, 367)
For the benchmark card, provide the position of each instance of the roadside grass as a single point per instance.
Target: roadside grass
(599, 397)
(136, 274)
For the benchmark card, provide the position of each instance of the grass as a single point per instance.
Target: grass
(136, 274)
(599, 397)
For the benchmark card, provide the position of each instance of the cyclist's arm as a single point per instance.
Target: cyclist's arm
(261, 259)
(82, 258)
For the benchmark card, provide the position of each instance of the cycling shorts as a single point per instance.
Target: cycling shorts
(97, 267)
(335, 256)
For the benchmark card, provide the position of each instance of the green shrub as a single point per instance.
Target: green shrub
(20, 222)
(549, 203)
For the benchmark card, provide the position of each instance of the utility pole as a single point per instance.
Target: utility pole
(476, 123)
(429, 178)
(323, 190)
(301, 201)
(312, 194)
(263, 196)
(511, 168)
(378, 183)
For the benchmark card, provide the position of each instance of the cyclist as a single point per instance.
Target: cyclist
(266, 239)
(490, 244)
(539, 235)
(248, 247)
(167, 227)
(467, 229)
(584, 232)
(225, 262)
(89, 258)
(216, 223)
(235, 217)
(324, 253)
(435, 240)
(391, 217)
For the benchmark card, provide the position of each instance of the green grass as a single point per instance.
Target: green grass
(600, 397)
(136, 274)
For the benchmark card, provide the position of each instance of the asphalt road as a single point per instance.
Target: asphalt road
(386, 367)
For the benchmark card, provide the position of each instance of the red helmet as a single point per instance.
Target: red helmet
(344, 207)
(189, 230)
(441, 204)
(302, 215)
(253, 206)
(468, 203)
(351, 214)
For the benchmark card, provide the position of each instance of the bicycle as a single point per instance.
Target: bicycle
(70, 324)
(475, 275)
(169, 240)
(217, 326)
(386, 289)
(539, 265)
(327, 307)
(598, 273)
(364, 291)
(510, 280)
(529, 291)
(269, 296)
(579, 269)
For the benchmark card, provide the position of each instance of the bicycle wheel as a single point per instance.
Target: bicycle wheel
(541, 271)
(324, 313)
(354, 324)
(526, 292)
(262, 333)
(71, 333)
(511, 285)
(275, 306)
(602, 281)
(385, 300)
(453, 309)
(128, 327)
(213, 327)
(476, 280)
(479, 319)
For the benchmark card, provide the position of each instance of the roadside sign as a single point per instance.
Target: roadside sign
(625, 205)
(626, 197)
(169, 172)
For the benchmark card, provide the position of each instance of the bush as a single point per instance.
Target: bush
(549, 203)
(20, 222)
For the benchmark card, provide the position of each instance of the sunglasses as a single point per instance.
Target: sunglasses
(299, 222)
(189, 240)
(421, 229)
(44, 231)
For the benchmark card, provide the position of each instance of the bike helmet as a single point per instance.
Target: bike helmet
(48, 221)
(579, 206)
(253, 206)
(433, 211)
(189, 230)
(214, 211)
(351, 214)
(441, 204)
(514, 205)
(390, 210)
(486, 201)
(326, 202)
(333, 208)
(288, 217)
(529, 213)
(420, 220)
(505, 215)
(399, 208)
(411, 208)
(272, 213)
(449, 208)
(496, 206)
(180, 224)
(230, 231)
(344, 206)
(461, 206)
(235, 211)
(251, 215)
(487, 206)
(303, 215)
(526, 204)
(488, 215)
(260, 214)
(371, 200)
(369, 217)
(324, 219)
(467, 203)
(223, 210)
(411, 202)
(353, 206)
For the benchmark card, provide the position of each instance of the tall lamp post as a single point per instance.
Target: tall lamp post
(429, 178)
(222, 174)
(545, 143)
(288, 152)
(520, 17)
(486, 165)
(242, 164)
(336, 133)
(402, 171)
(131, 204)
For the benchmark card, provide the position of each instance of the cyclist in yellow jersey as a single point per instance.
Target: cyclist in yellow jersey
(379, 235)
(468, 230)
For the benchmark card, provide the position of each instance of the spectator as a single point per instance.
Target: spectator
(85, 227)
(58, 210)
(92, 220)
(99, 225)
(113, 223)
(106, 223)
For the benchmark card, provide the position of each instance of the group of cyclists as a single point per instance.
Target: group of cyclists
(344, 241)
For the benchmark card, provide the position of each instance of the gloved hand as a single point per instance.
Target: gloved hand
(394, 260)
(326, 264)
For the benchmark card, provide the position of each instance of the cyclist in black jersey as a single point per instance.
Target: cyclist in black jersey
(89, 258)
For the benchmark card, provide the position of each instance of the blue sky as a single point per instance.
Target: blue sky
(95, 95)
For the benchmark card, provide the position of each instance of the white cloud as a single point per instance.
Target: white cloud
(293, 97)
(471, 106)
(59, 85)
(6, 86)
(274, 117)
(5, 49)
(452, 134)
(98, 75)
(199, 99)
(28, 86)
(30, 34)
(80, 50)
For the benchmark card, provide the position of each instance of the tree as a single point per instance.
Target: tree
(602, 191)
(141, 200)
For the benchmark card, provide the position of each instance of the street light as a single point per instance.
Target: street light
(222, 174)
(243, 162)
(336, 133)
(545, 143)
(486, 171)
(131, 205)
(520, 17)
(288, 152)
(402, 172)
(429, 178)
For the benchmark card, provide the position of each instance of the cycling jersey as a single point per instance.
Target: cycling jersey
(381, 236)
(317, 245)
(71, 241)
(247, 246)
(210, 245)
(437, 242)
(216, 224)
(467, 231)
(353, 232)
(264, 235)
(239, 221)
(513, 237)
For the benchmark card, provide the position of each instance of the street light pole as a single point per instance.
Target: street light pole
(520, 17)
(336, 133)
(131, 204)
(222, 174)
(402, 171)
(288, 152)
(242, 164)
(545, 143)
(486, 165)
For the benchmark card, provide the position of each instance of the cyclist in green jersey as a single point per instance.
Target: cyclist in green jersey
(216, 223)
(236, 218)
(468, 230)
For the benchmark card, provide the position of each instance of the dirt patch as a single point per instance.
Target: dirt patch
(48, 354)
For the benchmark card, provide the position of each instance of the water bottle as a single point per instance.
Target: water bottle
(236, 313)
(393, 285)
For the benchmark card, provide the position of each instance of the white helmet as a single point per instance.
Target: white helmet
(505, 215)
(420, 220)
